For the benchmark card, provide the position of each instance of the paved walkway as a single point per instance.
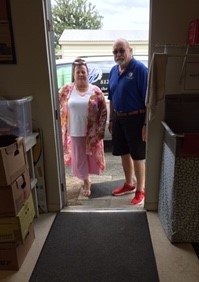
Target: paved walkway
(113, 172)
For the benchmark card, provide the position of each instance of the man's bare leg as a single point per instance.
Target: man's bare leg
(139, 167)
(128, 168)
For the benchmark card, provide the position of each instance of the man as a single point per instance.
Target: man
(126, 92)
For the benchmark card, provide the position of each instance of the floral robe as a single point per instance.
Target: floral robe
(96, 123)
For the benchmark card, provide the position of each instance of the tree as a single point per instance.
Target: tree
(74, 14)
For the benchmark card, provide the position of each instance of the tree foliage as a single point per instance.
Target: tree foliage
(74, 14)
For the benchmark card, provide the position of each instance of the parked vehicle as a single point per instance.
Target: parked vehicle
(99, 68)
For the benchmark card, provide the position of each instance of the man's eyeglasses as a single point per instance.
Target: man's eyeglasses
(121, 51)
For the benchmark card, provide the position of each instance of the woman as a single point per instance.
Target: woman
(83, 119)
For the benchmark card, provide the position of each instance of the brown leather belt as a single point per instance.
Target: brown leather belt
(126, 114)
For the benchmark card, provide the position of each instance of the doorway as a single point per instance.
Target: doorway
(73, 186)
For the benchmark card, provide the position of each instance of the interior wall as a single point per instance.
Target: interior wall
(169, 22)
(170, 19)
(30, 77)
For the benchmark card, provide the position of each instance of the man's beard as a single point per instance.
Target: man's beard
(121, 62)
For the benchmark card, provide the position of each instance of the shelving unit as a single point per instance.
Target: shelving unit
(30, 142)
(175, 50)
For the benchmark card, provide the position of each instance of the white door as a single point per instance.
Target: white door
(54, 96)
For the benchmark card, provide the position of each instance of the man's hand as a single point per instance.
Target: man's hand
(144, 133)
(110, 126)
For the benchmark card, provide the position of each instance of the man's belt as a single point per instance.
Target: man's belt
(126, 114)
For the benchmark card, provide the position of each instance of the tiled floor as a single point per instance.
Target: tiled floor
(175, 262)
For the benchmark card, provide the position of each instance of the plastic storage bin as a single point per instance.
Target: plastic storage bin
(16, 117)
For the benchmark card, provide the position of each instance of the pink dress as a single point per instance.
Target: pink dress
(96, 122)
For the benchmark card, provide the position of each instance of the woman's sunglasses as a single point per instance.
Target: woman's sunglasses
(79, 63)
(121, 51)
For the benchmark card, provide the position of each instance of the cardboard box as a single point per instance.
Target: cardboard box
(13, 158)
(12, 255)
(13, 197)
(38, 157)
(15, 229)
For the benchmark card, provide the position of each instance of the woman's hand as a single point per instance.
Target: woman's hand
(100, 135)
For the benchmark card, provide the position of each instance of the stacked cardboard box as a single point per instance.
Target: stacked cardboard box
(16, 203)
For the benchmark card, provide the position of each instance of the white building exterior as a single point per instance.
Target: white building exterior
(98, 42)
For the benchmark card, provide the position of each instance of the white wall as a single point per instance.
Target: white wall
(169, 25)
(71, 50)
(29, 76)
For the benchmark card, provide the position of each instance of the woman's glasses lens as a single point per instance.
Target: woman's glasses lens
(121, 51)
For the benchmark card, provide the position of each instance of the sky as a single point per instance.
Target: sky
(123, 14)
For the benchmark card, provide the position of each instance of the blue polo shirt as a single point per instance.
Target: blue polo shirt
(127, 90)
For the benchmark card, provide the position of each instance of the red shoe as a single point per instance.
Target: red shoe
(125, 189)
(139, 198)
